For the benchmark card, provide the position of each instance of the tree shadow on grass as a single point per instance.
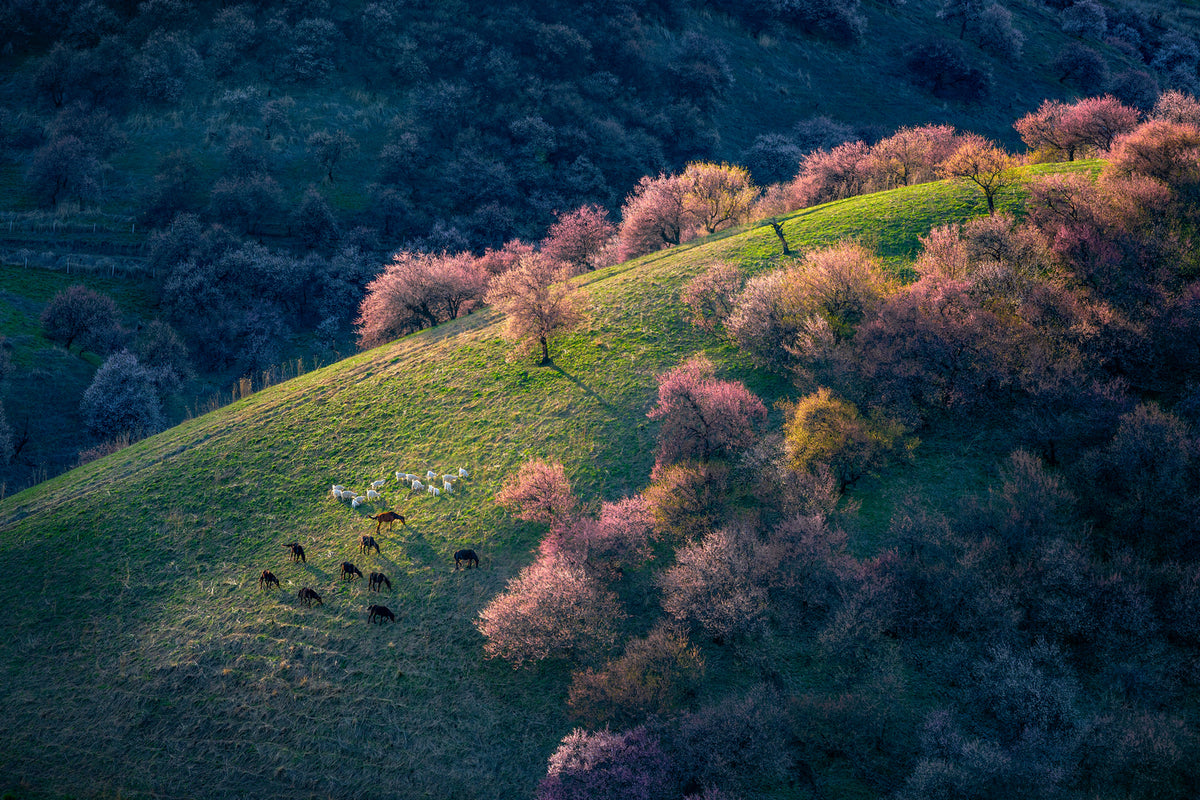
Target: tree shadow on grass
(589, 391)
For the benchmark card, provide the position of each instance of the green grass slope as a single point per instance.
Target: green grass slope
(141, 659)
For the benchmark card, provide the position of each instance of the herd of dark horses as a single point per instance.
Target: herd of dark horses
(375, 582)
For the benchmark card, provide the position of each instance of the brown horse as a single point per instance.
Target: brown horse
(297, 552)
(349, 571)
(366, 542)
(466, 556)
(309, 596)
(390, 517)
(381, 612)
(266, 579)
(377, 580)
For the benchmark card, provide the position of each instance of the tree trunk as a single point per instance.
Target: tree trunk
(782, 239)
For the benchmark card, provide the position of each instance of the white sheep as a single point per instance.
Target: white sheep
(349, 495)
(379, 483)
(448, 477)
(337, 488)
(373, 495)
(337, 492)
(447, 488)
(462, 473)
(417, 485)
(401, 476)
(358, 501)
(433, 490)
(431, 474)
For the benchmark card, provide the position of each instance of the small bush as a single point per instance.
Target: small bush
(654, 675)
(742, 742)
(685, 500)
(607, 766)
(720, 583)
(710, 295)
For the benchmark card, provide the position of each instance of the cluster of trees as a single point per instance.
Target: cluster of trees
(1055, 610)
(444, 152)
(141, 370)
(526, 281)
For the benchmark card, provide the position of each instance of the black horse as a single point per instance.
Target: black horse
(380, 612)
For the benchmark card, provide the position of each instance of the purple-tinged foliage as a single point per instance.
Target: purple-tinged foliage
(701, 416)
(554, 608)
(607, 766)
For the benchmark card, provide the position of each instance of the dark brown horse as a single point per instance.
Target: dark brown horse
(309, 596)
(381, 612)
(366, 542)
(466, 556)
(349, 571)
(266, 579)
(376, 580)
(297, 552)
(390, 517)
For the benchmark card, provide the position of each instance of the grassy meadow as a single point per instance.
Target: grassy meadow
(142, 659)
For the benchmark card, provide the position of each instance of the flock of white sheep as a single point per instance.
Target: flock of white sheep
(414, 481)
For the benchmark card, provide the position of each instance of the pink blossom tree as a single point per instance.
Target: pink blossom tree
(1160, 149)
(554, 608)
(832, 174)
(710, 295)
(539, 492)
(619, 536)
(910, 155)
(702, 417)
(507, 257)
(418, 289)
(718, 195)
(980, 161)
(607, 766)
(539, 305)
(1060, 131)
(654, 216)
(720, 583)
(579, 238)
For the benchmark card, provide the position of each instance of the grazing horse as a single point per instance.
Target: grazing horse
(349, 571)
(297, 552)
(381, 612)
(266, 579)
(366, 542)
(309, 596)
(466, 556)
(390, 517)
(376, 580)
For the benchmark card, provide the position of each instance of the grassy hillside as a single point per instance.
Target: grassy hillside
(143, 660)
